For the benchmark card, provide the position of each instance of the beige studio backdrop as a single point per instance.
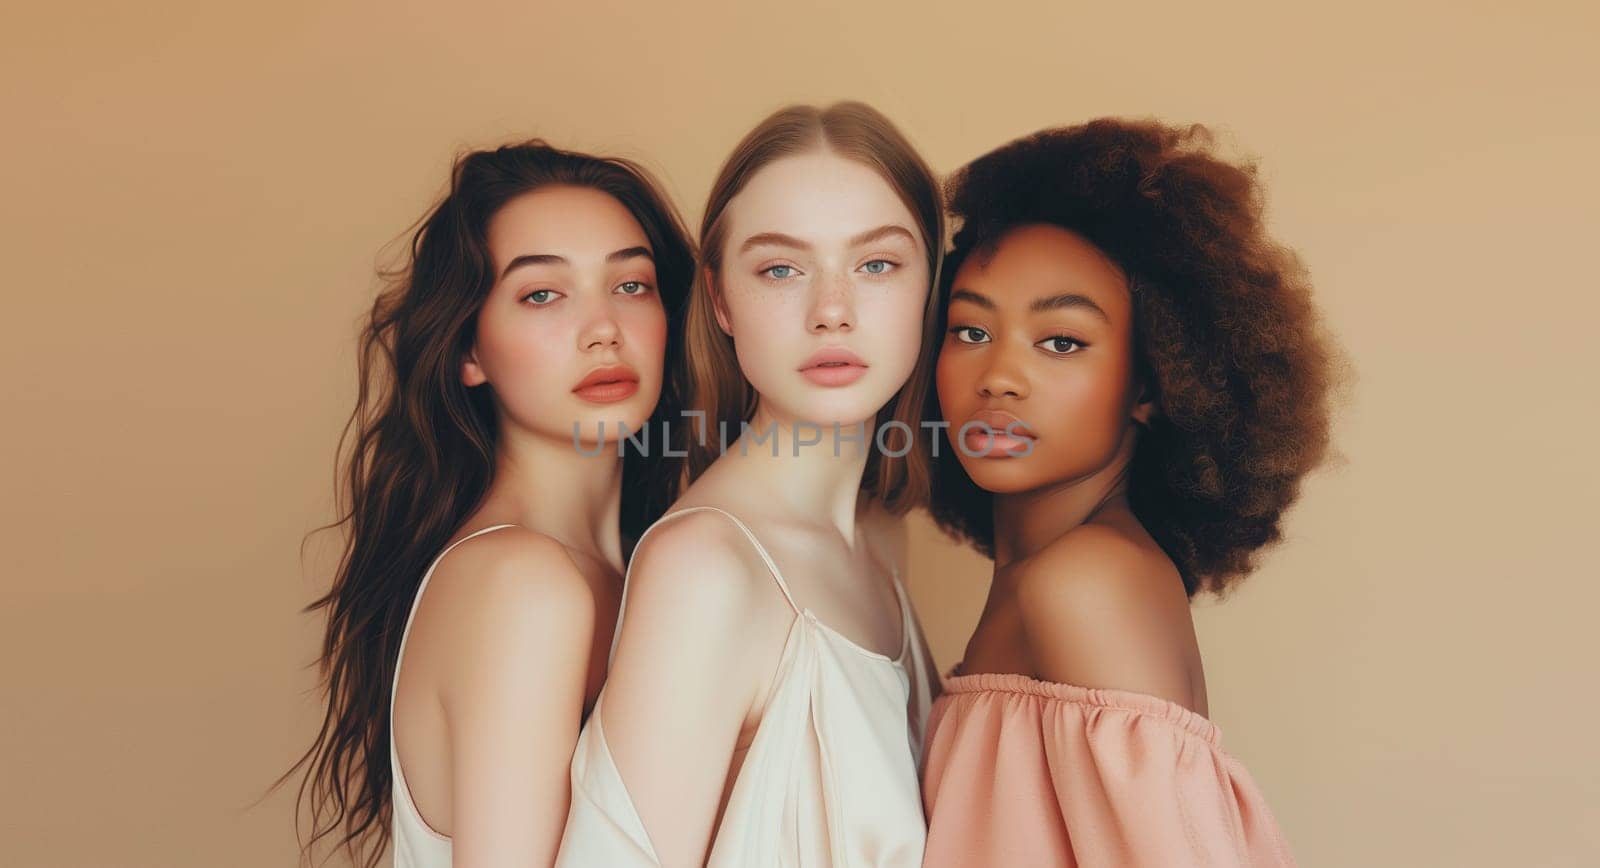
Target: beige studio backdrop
(196, 194)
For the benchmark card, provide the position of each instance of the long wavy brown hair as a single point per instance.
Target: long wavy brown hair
(421, 457)
(716, 385)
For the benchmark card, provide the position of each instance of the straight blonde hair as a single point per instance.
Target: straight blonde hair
(711, 376)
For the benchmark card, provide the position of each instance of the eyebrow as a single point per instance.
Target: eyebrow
(551, 259)
(781, 240)
(1067, 301)
(1063, 301)
(881, 233)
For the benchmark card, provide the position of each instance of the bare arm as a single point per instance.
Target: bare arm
(698, 635)
(1100, 612)
(513, 691)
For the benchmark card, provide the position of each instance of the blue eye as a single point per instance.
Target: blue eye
(958, 330)
(779, 272)
(540, 297)
(639, 287)
(884, 266)
(1062, 345)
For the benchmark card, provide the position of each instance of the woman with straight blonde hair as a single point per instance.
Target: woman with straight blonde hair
(769, 683)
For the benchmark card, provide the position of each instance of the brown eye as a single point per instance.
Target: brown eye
(1062, 345)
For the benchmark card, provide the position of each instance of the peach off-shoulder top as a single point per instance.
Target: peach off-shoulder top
(1022, 772)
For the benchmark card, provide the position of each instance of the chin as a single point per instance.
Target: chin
(845, 409)
(633, 413)
(1002, 475)
(820, 405)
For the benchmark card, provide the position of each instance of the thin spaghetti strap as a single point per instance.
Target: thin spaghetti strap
(906, 622)
(766, 558)
(903, 600)
(760, 549)
(478, 532)
(777, 576)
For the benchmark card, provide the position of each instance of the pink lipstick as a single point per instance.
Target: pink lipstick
(1006, 435)
(833, 366)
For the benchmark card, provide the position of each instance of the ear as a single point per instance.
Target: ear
(1145, 407)
(471, 372)
(718, 306)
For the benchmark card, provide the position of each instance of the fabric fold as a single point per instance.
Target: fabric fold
(1027, 772)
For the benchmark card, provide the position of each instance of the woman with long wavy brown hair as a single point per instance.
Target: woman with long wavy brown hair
(530, 324)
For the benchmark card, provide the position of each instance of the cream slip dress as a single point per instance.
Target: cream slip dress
(830, 778)
(416, 844)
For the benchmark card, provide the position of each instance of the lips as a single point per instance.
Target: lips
(607, 385)
(1000, 420)
(833, 357)
(995, 442)
(833, 367)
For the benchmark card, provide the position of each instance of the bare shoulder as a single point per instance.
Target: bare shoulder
(1103, 608)
(514, 567)
(513, 578)
(507, 614)
(1104, 569)
(698, 563)
(701, 626)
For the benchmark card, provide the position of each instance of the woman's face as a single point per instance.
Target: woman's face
(573, 330)
(1040, 339)
(823, 284)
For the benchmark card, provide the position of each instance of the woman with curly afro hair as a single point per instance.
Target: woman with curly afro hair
(1134, 381)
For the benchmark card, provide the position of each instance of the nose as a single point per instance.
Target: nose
(601, 331)
(833, 309)
(1002, 378)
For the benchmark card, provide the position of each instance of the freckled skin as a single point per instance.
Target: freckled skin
(782, 303)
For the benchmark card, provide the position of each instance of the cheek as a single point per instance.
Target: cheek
(509, 343)
(645, 331)
(891, 321)
(525, 357)
(1086, 402)
(746, 311)
(952, 381)
(766, 326)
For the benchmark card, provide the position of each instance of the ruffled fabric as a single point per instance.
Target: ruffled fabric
(1022, 772)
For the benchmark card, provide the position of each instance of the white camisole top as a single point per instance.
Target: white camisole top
(830, 779)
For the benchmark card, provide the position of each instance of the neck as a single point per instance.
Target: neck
(549, 485)
(1026, 522)
(804, 468)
